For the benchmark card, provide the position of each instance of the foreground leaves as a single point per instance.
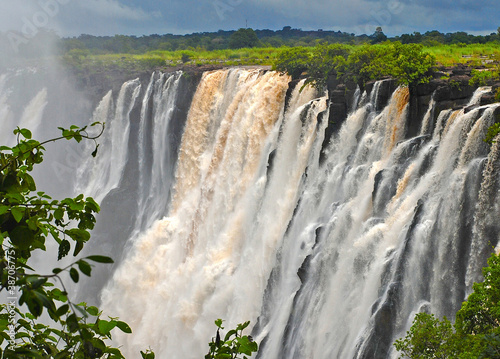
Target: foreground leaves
(27, 220)
(233, 344)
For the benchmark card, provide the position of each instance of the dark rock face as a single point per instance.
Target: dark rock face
(449, 88)
(96, 85)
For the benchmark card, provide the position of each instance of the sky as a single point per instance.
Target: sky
(145, 17)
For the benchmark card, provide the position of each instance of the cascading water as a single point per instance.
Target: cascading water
(331, 258)
(235, 209)
(210, 237)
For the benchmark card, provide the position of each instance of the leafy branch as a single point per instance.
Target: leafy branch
(27, 219)
(233, 344)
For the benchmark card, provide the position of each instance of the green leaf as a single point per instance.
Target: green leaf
(29, 182)
(246, 345)
(57, 294)
(38, 283)
(59, 213)
(78, 248)
(147, 355)
(92, 205)
(79, 235)
(230, 334)
(26, 133)
(72, 323)
(81, 309)
(106, 326)
(218, 323)
(242, 326)
(99, 345)
(17, 213)
(73, 273)
(114, 351)
(64, 248)
(22, 237)
(63, 309)
(100, 259)
(124, 327)
(94, 311)
(3, 209)
(84, 267)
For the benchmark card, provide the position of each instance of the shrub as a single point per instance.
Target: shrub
(293, 61)
(481, 78)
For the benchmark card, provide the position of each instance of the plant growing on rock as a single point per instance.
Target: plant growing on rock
(293, 61)
(476, 332)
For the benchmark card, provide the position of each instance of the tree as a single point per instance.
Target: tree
(27, 220)
(327, 61)
(294, 61)
(476, 332)
(428, 337)
(411, 65)
(368, 62)
(378, 36)
(480, 313)
(243, 38)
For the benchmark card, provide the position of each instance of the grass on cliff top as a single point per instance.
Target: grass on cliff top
(474, 54)
(158, 58)
(447, 55)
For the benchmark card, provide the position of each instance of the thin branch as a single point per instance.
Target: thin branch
(40, 144)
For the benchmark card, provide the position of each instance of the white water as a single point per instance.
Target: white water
(105, 171)
(326, 265)
(30, 118)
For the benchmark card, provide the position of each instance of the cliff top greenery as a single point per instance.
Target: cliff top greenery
(230, 48)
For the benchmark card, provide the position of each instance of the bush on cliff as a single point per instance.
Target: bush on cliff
(294, 61)
(408, 63)
(476, 332)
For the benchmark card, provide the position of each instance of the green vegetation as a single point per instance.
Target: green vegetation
(243, 38)
(476, 332)
(473, 54)
(294, 61)
(230, 48)
(493, 130)
(233, 344)
(128, 63)
(288, 37)
(409, 64)
(27, 219)
(326, 61)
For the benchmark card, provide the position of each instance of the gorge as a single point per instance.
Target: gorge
(326, 219)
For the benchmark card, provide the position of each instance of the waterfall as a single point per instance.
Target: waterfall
(328, 259)
(220, 199)
(32, 110)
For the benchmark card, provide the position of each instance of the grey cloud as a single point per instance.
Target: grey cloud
(108, 17)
